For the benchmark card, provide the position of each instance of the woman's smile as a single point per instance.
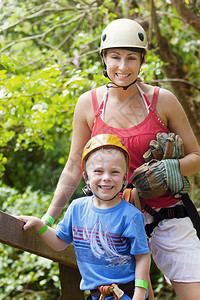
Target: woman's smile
(122, 76)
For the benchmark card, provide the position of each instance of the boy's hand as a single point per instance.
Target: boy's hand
(30, 221)
(49, 237)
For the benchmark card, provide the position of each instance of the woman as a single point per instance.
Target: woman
(136, 112)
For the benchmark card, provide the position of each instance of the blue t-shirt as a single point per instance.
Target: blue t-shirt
(105, 241)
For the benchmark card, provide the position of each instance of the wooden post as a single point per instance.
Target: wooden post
(12, 234)
(70, 279)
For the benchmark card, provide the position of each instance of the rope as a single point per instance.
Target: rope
(105, 290)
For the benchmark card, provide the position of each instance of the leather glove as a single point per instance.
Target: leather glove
(165, 146)
(154, 178)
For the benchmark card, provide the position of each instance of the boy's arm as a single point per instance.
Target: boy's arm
(49, 236)
(142, 267)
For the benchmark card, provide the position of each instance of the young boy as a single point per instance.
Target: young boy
(108, 232)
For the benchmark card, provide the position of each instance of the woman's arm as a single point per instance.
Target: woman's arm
(49, 236)
(71, 174)
(174, 117)
(142, 267)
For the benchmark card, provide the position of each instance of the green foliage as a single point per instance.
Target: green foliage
(32, 277)
(152, 67)
(24, 275)
(40, 169)
(184, 42)
(15, 203)
(34, 110)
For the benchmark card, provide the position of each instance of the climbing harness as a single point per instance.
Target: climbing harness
(131, 196)
(179, 211)
(117, 290)
(105, 290)
(192, 212)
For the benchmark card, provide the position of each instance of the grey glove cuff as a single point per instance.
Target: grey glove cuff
(174, 180)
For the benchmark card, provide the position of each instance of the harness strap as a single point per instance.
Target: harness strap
(127, 288)
(192, 212)
(178, 211)
(131, 196)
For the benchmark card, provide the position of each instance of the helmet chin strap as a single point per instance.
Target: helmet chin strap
(111, 84)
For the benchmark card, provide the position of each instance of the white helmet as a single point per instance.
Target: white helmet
(123, 33)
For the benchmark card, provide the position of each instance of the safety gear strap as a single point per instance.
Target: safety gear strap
(105, 290)
(126, 288)
(192, 212)
(178, 211)
(131, 196)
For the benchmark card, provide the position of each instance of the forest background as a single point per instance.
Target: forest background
(49, 56)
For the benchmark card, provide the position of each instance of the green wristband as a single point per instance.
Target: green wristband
(141, 283)
(48, 219)
(41, 231)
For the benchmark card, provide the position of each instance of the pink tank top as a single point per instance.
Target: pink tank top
(136, 140)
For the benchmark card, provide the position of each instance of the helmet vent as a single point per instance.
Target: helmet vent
(88, 144)
(141, 36)
(104, 37)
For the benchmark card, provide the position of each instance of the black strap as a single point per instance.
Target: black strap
(178, 211)
(127, 288)
(192, 212)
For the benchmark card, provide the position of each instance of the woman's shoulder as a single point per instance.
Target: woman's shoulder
(163, 95)
(148, 90)
(166, 93)
(84, 105)
(167, 100)
(86, 97)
